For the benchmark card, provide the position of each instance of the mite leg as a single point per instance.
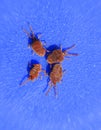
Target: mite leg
(47, 51)
(71, 47)
(39, 36)
(29, 45)
(61, 80)
(50, 84)
(43, 41)
(48, 90)
(67, 58)
(72, 54)
(66, 51)
(31, 29)
(60, 47)
(29, 64)
(44, 72)
(23, 83)
(55, 92)
(64, 71)
(32, 52)
(40, 76)
(50, 66)
(27, 33)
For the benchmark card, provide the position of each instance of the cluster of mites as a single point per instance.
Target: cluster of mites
(54, 59)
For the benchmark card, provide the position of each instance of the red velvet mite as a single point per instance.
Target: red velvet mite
(55, 77)
(36, 44)
(33, 74)
(58, 55)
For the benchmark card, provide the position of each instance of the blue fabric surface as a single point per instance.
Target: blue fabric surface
(65, 22)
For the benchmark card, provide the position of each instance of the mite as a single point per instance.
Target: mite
(58, 55)
(33, 74)
(36, 44)
(55, 77)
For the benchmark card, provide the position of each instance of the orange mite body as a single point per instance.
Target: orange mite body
(58, 55)
(38, 47)
(55, 77)
(34, 73)
(55, 57)
(35, 44)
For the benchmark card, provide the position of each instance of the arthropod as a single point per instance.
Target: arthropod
(36, 44)
(33, 74)
(58, 55)
(55, 77)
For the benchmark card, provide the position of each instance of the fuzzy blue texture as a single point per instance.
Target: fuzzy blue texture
(65, 22)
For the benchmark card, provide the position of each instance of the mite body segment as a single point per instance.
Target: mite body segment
(34, 73)
(55, 77)
(35, 44)
(58, 55)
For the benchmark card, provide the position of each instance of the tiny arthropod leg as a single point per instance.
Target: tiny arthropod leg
(50, 84)
(50, 66)
(33, 52)
(23, 83)
(39, 36)
(44, 72)
(47, 50)
(55, 91)
(31, 29)
(66, 51)
(71, 47)
(60, 47)
(40, 76)
(64, 71)
(48, 90)
(72, 54)
(43, 41)
(28, 34)
(67, 58)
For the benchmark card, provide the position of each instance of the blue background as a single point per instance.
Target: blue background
(65, 22)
